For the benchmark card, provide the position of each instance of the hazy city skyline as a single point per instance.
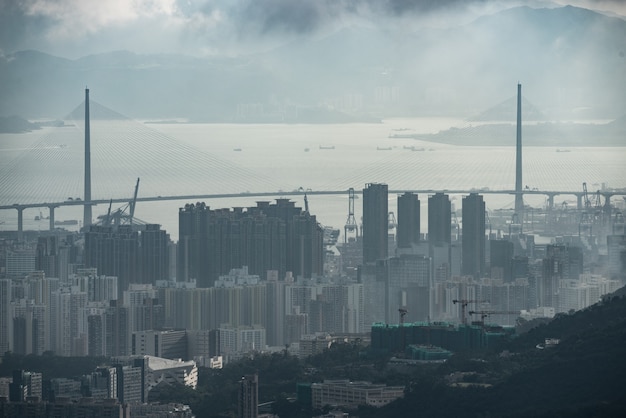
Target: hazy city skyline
(271, 181)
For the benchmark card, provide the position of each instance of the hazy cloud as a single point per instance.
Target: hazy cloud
(77, 27)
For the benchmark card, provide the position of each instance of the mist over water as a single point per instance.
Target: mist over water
(232, 158)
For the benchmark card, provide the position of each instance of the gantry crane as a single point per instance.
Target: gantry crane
(351, 224)
(119, 216)
(133, 203)
(306, 200)
(464, 303)
(485, 314)
(586, 200)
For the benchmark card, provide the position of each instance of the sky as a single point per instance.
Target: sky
(75, 28)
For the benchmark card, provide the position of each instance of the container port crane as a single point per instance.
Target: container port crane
(351, 225)
(119, 216)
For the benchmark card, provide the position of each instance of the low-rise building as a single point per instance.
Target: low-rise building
(161, 370)
(343, 393)
(311, 345)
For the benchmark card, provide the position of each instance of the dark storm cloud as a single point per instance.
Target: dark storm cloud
(17, 29)
(78, 27)
(401, 7)
(306, 16)
(284, 15)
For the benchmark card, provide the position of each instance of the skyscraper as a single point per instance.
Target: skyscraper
(116, 326)
(408, 220)
(439, 217)
(501, 259)
(473, 236)
(114, 251)
(154, 254)
(5, 315)
(616, 245)
(28, 327)
(248, 404)
(46, 257)
(132, 256)
(275, 303)
(278, 237)
(566, 261)
(375, 222)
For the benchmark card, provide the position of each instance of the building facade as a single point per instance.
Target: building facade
(473, 236)
(408, 230)
(375, 228)
(278, 237)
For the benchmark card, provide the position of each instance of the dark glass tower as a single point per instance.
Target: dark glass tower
(114, 251)
(473, 238)
(439, 217)
(154, 254)
(408, 220)
(375, 222)
(501, 258)
(248, 403)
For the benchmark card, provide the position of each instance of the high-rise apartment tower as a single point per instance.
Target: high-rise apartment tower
(375, 222)
(473, 236)
(408, 220)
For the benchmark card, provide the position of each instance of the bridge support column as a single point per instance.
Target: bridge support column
(20, 223)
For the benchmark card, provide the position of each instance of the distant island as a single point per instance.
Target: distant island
(561, 134)
(17, 125)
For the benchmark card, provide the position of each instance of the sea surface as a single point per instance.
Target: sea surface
(186, 159)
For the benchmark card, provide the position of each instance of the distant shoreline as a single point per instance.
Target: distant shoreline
(546, 134)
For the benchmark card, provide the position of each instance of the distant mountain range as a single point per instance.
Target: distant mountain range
(570, 61)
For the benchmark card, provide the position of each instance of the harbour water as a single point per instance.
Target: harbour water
(184, 159)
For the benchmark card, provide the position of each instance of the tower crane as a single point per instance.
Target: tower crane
(485, 314)
(464, 303)
(402, 312)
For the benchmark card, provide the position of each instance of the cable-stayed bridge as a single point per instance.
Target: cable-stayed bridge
(48, 172)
